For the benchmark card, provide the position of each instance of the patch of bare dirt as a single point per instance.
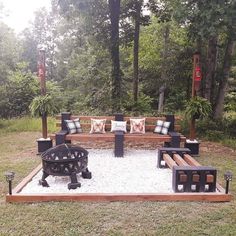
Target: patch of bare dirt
(216, 148)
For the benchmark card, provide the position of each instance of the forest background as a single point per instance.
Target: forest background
(133, 56)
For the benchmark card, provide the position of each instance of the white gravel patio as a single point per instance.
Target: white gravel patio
(136, 172)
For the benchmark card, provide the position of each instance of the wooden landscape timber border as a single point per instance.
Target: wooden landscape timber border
(96, 197)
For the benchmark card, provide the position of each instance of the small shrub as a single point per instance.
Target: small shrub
(214, 135)
(142, 106)
(229, 143)
(231, 127)
(206, 125)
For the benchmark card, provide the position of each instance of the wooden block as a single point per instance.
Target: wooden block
(195, 178)
(190, 160)
(169, 161)
(183, 178)
(209, 178)
(179, 160)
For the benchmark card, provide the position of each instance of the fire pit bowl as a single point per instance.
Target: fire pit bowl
(65, 160)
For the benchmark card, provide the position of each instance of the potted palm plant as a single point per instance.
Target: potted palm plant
(196, 108)
(42, 106)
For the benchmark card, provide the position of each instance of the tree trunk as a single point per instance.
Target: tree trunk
(161, 98)
(223, 85)
(136, 51)
(211, 68)
(164, 68)
(114, 7)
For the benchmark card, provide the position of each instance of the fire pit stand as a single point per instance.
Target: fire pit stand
(65, 160)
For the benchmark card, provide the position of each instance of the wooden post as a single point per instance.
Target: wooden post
(196, 59)
(41, 75)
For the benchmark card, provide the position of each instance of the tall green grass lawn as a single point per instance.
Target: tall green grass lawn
(25, 124)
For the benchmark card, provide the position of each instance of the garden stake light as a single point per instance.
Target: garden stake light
(228, 177)
(9, 177)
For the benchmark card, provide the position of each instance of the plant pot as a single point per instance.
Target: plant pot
(193, 145)
(44, 145)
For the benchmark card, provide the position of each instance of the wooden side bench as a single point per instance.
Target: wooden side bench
(187, 174)
(172, 139)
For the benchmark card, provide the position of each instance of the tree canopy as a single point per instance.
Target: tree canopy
(122, 55)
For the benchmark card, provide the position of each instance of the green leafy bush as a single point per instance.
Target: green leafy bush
(197, 107)
(207, 124)
(175, 101)
(214, 135)
(213, 128)
(142, 106)
(17, 94)
(231, 126)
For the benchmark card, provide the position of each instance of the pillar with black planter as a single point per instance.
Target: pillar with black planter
(171, 119)
(65, 116)
(119, 138)
(192, 143)
(61, 135)
(44, 143)
(175, 137)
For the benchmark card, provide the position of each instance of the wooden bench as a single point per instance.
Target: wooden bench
(187, 174)
(173, 138)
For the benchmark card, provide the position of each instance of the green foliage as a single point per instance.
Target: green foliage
(230, 102)
(197, 107)
(10, 49)
(229, 142)
(217, 130)
(214, 135)
(43, 105)
(78, 55)
(177, 63)
(18, 92)
(142, 106)
(231, 126)
(209, 125)
(175, 100)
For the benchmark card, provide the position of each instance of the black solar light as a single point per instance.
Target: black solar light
(9, 177)
(228, 177)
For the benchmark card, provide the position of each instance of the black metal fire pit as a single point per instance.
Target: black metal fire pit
(65, 160)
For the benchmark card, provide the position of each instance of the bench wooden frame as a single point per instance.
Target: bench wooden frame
(172, 139)
(187, 174)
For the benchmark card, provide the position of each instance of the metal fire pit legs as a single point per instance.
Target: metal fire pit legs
(65, 160)
(74, 183)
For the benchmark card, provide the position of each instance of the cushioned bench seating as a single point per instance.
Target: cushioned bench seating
(172, 138)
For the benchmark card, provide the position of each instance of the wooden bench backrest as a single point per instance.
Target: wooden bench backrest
(150, 122)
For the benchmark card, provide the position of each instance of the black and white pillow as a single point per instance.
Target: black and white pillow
(73, 126)
(162, 127)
